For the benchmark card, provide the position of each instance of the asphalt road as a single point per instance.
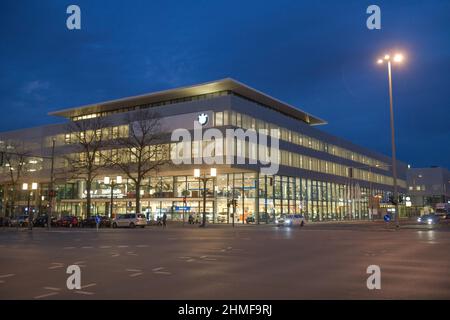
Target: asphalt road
(321, 261)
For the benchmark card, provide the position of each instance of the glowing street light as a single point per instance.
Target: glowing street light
(398, 58)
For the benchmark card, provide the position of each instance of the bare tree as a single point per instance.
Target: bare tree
(15, 165)
(88, 138)
(141, 153)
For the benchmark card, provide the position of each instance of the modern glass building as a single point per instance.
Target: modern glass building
(321, 176)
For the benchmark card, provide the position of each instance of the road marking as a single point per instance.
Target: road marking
(122, 246)
(133, 270)
(206, 258)
(88, 285)
(87, 247)
(136, 274)
(115, 255)
(7, 275)
(190, 260)
(46, 295)
(142, 246)
(157, 269)
(79, 262)
(84, 292)
(52, 288)
(56, 265)
(105, 247)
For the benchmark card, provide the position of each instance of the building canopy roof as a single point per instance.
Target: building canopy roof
(227, 84)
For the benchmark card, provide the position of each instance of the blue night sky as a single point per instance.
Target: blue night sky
(316, 55)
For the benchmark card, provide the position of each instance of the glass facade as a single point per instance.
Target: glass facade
(259, 198)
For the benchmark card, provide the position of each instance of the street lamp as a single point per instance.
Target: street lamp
(397, 58)
(204, 178)
(112, 183)
(25, 187)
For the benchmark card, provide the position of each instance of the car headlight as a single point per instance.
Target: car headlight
(276, 221)
(288, 221)
(419, 219)
(430, 221)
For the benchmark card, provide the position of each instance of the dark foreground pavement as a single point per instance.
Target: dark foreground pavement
(320, 261)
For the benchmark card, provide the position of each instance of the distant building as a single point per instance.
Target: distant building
(428, 186)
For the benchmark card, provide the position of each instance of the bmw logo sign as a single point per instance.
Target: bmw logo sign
(203, 119)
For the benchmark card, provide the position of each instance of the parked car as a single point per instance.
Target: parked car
(67, 221)
(250, 219)
(19, 221)
(4, 221)
(428, 219)
(130, 220)
(91, 222)
(288, 220)
(41, 221)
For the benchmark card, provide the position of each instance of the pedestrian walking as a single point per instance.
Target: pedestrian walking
(164, 220)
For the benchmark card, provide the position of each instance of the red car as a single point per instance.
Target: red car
(68, 221)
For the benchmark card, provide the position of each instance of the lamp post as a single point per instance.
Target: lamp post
(398, 58)
(25, 187)
(112, 183)
(204, 178)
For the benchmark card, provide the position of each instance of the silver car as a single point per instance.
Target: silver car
(19, 221)
(129, 220)
(288, 220)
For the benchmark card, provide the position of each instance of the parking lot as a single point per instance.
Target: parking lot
(318, 261)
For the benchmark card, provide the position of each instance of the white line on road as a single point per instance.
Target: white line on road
(142, 246)
(157, 269)
(87, 247)
(52, 288)
(115, 255)
(133, 270)
(88, 285)
(56, 265)
(105, 247)
(84, 292)
(7, 275)
(136, 274)
(122, 246)
(46, 295)
(79, 262)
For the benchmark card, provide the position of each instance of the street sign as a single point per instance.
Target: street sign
(180, 208)
(387, 218)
